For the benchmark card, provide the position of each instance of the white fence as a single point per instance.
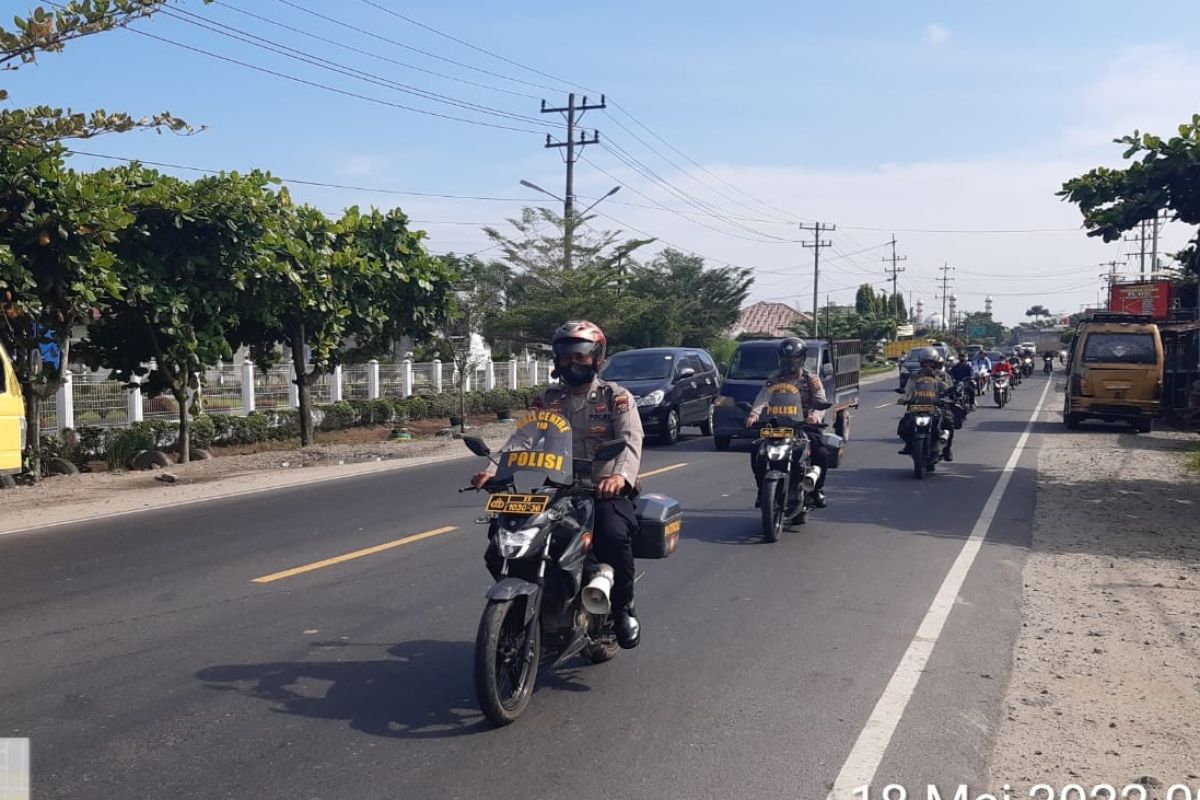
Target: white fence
(92, 399)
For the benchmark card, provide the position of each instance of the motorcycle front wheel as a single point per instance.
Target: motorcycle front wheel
(918, 457)
(503, 679)
(771, 501)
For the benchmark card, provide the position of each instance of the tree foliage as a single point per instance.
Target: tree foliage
(190, 251)
(48, 32)
(1161, 175)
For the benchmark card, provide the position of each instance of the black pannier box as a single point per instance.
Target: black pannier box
(660, 519)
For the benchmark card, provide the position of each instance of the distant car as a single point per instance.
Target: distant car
(673, 387)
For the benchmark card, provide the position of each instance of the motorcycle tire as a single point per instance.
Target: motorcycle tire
(999, 400)
(918, 457)
(772, 501)
(498, 647)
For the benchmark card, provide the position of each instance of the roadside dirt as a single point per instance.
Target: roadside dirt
(234, 470)
(1105, 686)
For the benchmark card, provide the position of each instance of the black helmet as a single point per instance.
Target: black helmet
(792, 352)
(923, 354)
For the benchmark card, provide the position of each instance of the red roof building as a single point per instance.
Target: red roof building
(775, 319)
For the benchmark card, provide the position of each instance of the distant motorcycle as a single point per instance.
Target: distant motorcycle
(1026, 366)
(1015, 363)
(1000, 390)
(1048, 365)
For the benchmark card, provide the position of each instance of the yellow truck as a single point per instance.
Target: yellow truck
(12, 420)
(896, 350)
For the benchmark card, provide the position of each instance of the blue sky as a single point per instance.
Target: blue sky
(871, 115)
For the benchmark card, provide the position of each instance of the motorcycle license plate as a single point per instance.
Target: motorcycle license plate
(522, 504)
(921, 409)
(776, 433)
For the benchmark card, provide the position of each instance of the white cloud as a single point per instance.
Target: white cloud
(936, 34)
(363, 165)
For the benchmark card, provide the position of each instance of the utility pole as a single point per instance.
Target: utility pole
(895, 270)
(945, 269)
(1110, 276)
(1141, 237)
(1154, 251)
(573, 113)
(816, 244)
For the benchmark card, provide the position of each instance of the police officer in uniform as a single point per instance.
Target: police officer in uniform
(792, 352)
(928, 384)
(598, 411)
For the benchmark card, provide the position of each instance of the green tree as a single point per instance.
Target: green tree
(543, 293)
(56, 230)
(684, 303)
(1161, 175)
(901, 310)
(993, 333)
(864, 300)
(48, 32)
(189, 252)
(334, 290)
(1037, 312)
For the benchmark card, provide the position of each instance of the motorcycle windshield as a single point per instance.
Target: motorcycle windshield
(784, 405)
(542, 445)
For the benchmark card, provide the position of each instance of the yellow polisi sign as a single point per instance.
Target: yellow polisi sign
(530, 459)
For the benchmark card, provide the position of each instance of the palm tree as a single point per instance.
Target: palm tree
(1037, 312)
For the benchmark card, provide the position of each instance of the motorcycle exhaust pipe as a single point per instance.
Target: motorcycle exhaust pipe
(596, 594)
(809, 482)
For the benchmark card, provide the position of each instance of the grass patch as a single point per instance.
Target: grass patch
(1192, 455)
(877, 369)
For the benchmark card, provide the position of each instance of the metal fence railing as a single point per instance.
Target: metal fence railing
(97, 401)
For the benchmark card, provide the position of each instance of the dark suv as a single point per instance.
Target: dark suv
(674, 386)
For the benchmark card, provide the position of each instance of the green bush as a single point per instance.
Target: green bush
(338, 416)
(203, 431)
(128, 443)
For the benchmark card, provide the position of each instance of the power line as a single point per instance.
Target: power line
(572, 113)
(426, 53)
(342, 69)
(328, 88)
(305, 182)
(477, 48)
(895, 270)
(372, 54)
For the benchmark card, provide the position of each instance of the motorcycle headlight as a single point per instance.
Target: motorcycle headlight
(652, 399)
(775, 452)
(514, 544)
(922, 421)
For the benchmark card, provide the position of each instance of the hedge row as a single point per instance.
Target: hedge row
(118, 446)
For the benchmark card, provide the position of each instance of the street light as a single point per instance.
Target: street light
(536, 188)
(605, 196)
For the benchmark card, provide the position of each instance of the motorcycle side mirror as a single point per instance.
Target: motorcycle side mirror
(898, 391)
(477, 446)
(821, 405)
(609, 450)
(744, 406)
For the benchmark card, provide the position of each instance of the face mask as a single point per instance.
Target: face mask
(577, 374)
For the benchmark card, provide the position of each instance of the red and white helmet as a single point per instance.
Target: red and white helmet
(580, 336)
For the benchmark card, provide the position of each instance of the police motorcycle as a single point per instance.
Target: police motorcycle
(783, 448)
(926, 414)
(551, 600)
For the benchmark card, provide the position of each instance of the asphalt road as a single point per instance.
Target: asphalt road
(145, 662)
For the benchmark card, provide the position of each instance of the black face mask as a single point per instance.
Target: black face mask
(577, 374)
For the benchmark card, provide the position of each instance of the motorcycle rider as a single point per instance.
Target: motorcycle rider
(983, 369)
(1002, 367)
(792, 352)
(962, 372)
(930, 380)
(598, 411)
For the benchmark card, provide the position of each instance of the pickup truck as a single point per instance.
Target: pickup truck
(835, 361)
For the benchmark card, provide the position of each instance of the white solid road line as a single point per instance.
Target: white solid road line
(867, 753)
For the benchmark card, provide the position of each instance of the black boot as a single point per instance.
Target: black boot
(947, 455)
(629, 630)
(907, 451)
(818, 499)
